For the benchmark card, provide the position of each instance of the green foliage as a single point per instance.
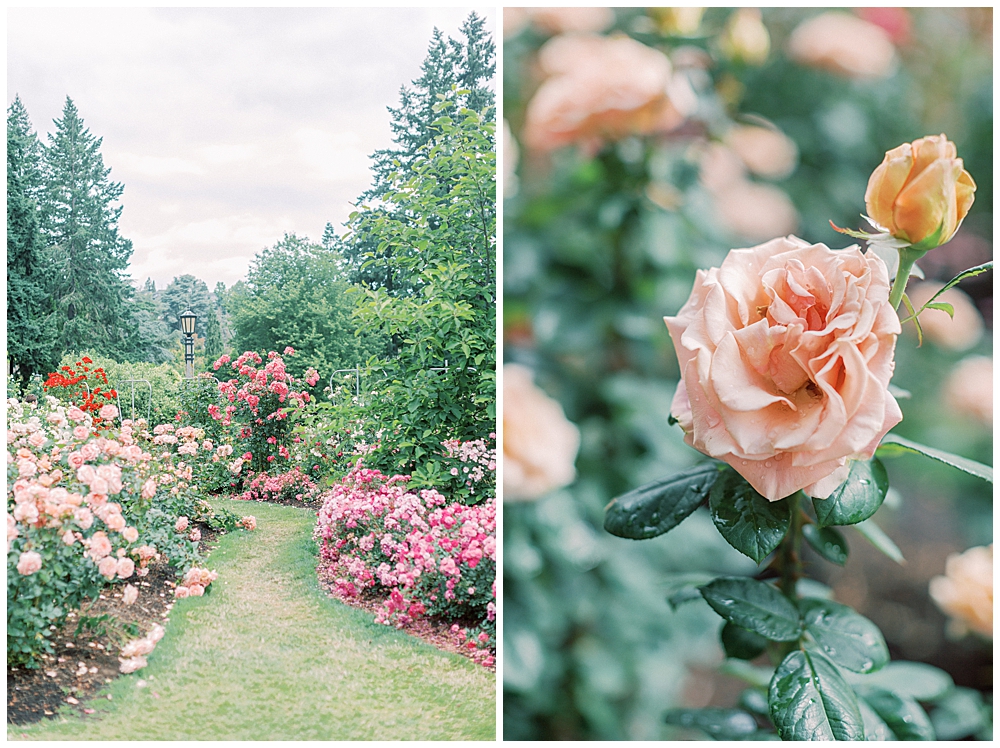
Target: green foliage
(857, 498)
(186, 293)
(295, 296)
(810, 700)
(660, 506)
(750, 523)
(441, 384)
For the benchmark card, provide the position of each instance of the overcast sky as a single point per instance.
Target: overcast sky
(228, 126)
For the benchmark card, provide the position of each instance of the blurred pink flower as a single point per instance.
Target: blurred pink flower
(181, 524)
(100, 546)
(766, 151)
(563, 20)
(180, 591)
(108, 412)
(968, 390)
(196, 590)
(965, 592)
(844, 44)
(28, 563)
(108, 567)
(131, 664)
(958, 333)
(130, 594)
(130, 534)
(126, 567)
(601, 88)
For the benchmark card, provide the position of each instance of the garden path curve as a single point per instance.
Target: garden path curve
(267, 655)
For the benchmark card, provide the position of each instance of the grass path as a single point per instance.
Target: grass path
(268, 656)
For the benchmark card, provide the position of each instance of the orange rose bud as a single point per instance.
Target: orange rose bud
(921, 192)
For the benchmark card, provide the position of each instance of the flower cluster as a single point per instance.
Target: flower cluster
(418, 553)
(293, 486)
(195, 582)
(83, 386)
(133, 654)
(472, 468)
(260, 397)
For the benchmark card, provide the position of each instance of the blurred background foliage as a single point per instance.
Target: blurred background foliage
(602, 238)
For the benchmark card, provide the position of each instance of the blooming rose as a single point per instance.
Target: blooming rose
(28, 563)
(603, 88)
(965, 592)
(843, 44)
(180, 591)
(131, 664)
(921, 192)
(100, 546)
(539, 445)
(786, 352)
(130, 594)
(181, 524)
(126, 567)
(968, 390)
(107, 412)
(108, 567)
(130, 534)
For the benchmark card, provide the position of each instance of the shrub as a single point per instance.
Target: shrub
(287, 487)
(420, 554)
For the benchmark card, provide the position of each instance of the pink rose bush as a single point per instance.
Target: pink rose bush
(85, 510)
(416, 552)
(786, 352)
(291, 487)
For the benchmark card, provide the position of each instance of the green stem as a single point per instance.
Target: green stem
(906, 259)
(791, 563)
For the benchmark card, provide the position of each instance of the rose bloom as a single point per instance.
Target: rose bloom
(149, 489)
(75, 414)
(130, 594)
(766, 151)
(28, 563)
(115, 522)
(130, 534)
(180, 591)
(755, 211)
(108, 567)
(921, 191)
(195, 535)
(100, 546)
(562, 20)
(844, 44)
(968, 390)
(126, 567)
(132, 664)
(965, 592)
(196, 590)
(181, 524)
(958, 333)
(80, 432)
(539, 445)
(786, 352)
(603, 88)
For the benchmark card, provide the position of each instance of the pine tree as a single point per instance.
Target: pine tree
(187, 293)
(213, 338)
(31, 339)
(80, 224)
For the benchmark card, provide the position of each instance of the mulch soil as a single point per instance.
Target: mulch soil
(85, 661)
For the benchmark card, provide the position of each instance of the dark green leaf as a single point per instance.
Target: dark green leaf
(893, 446)
(903, 715)
(970, 273)
(875, 726)
(959, 714)
(810, 700)
(857, 498)
(750, 523)
(721, 724)
(914, 679)
(660, 506)
(874, 535)
(846, 637)
(755, 606)
(754, 700)
(827, 542)
(740, 643)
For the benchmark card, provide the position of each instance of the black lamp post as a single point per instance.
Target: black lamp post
(187, 327)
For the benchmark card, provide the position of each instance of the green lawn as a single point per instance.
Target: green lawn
(267, 656)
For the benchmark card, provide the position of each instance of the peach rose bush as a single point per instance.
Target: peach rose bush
(88, 508)
(786, 355)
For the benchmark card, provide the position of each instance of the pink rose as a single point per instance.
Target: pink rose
(181, 524)
(149, 489)
(107, 412)
(965, 592)
(28, 563)
(180, 591)
(126, 567)
(130, 594)
(195, 535)
(75, 414)
(786, 352)
(130, 534)
(196, 590)
(100, 546)
(81, 432)
(108, 567)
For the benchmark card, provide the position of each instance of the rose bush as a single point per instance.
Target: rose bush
(419, 554)
(293, 486)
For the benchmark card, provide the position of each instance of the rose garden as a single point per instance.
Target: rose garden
(294, 539)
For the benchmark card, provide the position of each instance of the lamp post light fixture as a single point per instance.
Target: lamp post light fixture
(188, 319)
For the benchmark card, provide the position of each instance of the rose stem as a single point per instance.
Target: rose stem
(906, 259)
(791, 564)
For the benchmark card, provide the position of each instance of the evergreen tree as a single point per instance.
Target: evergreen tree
(185, 293)
(31, 340)
(467, 64)
(148, 337)
(213, 337)
(80, 224)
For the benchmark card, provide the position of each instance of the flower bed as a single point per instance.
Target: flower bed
(421, 555)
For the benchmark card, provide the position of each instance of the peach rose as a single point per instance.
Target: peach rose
(539, 445)
(130, 534)
(958, 333)
(561, 20)
(126, 567)
(180, 591)
(108, 567)
(603, 88)
(786, 352)
(766, 151)
(921, 192)
(131, 664)
(965, 592)
(844, 44)
(968, 391)
(130, 594)
(100, 546)
(28, 563)
(181, 524)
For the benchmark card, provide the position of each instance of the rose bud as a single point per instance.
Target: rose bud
(920, 192)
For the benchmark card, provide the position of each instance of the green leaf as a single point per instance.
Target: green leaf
(941, 306)
(740, 643)
(750, 523)
(810, 700)
(827, 542)
(857, 498)
(846, 637)
(914, 679)
(755, 606)
(754, 700)
(893, 446)
(754, 675)
(721, 724)
(904, 716)
(875, 726)
(683, 588)
(970, 273)
(960, 714)
(882, 542)
(660, 506)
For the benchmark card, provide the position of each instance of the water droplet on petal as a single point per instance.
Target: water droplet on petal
(767, 463)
